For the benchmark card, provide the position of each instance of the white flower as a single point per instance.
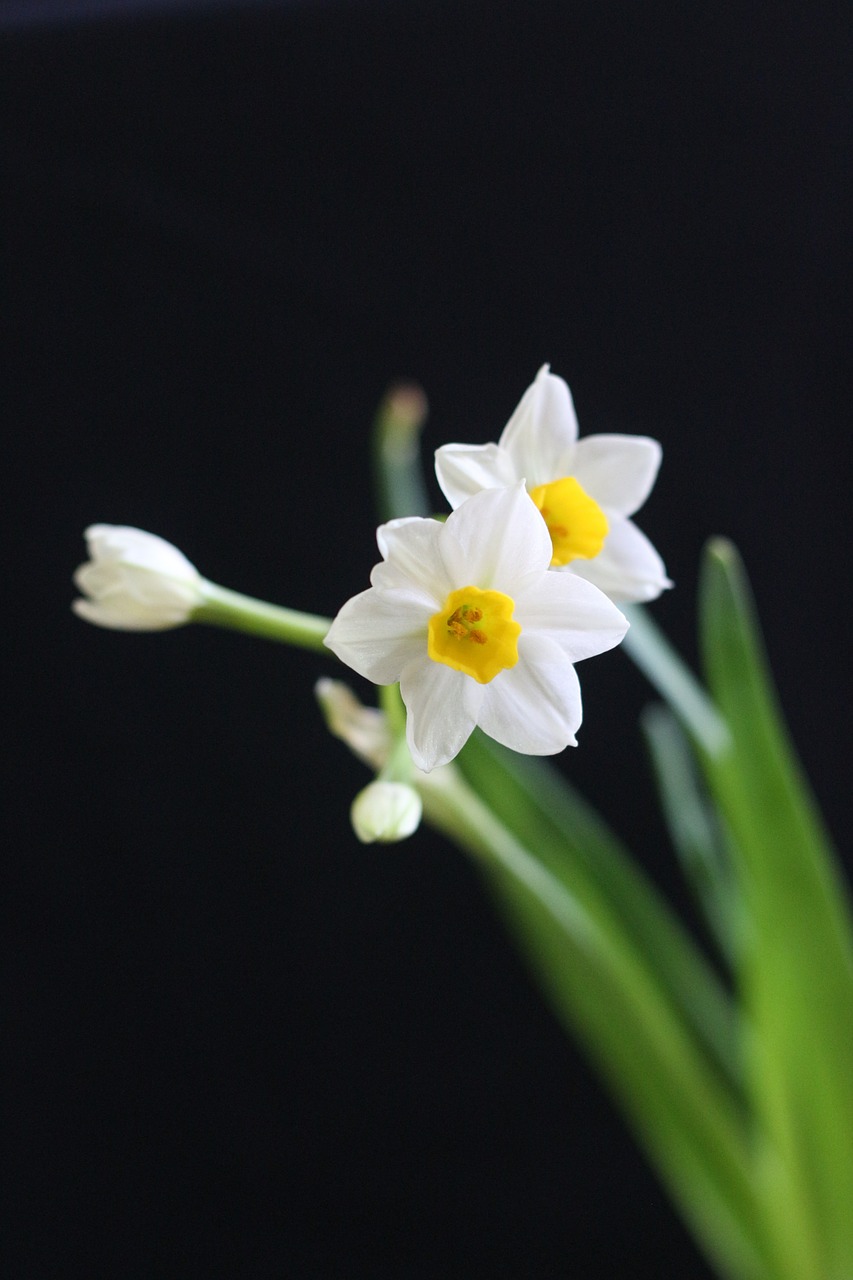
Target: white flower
(467, 617)
(135, 581)
(386, 812)
(586, 489)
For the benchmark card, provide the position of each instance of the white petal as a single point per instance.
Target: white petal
(97, 578)
(535, 707)
(494, 539)
(122, 614)
(627, 568)
(442, 706)
(377, 635)
(146, 587)
(541, 434)
(118, 542)
(396, 523)
(617, 471)
(411, 546)
(389, 580)
(463, 469)
(571, 612)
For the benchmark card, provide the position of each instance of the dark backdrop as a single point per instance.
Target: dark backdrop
(242, 1044)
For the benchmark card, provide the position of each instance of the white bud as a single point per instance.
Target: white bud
(135, 581)
(385, 812)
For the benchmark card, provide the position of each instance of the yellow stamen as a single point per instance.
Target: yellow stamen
(575, 521)
(474, 633)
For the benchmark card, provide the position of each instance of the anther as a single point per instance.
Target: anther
(460, 622)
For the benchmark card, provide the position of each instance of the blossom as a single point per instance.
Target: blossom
(135, 581)
(586, 490)
(468, 618)
(386, 812)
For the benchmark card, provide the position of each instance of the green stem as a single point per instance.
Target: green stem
(395, 713)
(398, 767)
(456, 810)
(224, 608)
(649, 648)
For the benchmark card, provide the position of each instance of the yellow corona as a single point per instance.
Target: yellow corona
(575, 521)
(475, 633)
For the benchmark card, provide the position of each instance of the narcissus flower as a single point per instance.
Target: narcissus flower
(586, 490)
(477, 631)
(135, 581)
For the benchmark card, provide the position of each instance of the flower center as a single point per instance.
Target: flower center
(474, 633)
(575, 521)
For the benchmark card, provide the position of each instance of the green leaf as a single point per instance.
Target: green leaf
(687, 1126)
(695, 830)
(796, 965)
(572, 840)
(667, 671)
(607, 954)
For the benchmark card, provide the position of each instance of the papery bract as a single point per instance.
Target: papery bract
(467, 617)
(587, 490)
(364, 729)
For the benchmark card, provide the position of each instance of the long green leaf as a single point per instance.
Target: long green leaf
(796, 967)
(686, 1126)
(572, 840)
(694, 827)
(603, 989)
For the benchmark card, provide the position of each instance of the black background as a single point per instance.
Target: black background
(242, 1044)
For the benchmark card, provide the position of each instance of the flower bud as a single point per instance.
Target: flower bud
(385, 812)
(135, 581)
(363, 729)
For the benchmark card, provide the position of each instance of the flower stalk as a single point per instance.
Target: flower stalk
(400, 489)
(222, 607)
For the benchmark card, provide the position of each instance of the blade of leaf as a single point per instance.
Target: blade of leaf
(688, 1134)
(572, 840)
(667, 672)
(602, 988)
(694, 828)
(796, 969)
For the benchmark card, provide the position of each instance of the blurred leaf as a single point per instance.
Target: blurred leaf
(796, 965)
(694, 828)
(667, 672)
(624, 977)
(548, 816)
(397, 471)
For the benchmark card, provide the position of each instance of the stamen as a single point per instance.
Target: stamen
(459, 623)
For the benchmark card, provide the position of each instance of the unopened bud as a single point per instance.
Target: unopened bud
(135, 581)
(385, 812)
